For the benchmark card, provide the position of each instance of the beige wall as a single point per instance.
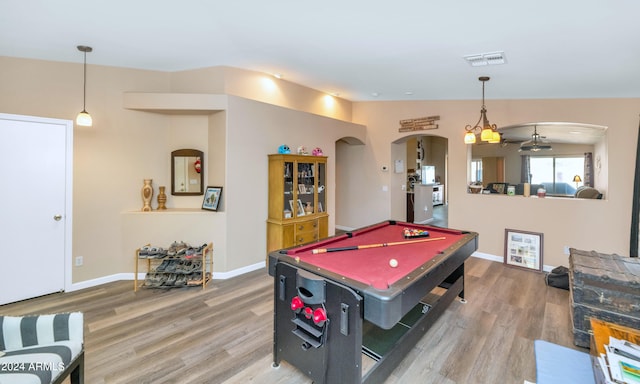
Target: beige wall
(126, 146)
(585, 224)
(134, 134)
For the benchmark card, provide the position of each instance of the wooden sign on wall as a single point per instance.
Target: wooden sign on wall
(419, 124)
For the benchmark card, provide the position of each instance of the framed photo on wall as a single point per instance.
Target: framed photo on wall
(212, 197)
(523, 249)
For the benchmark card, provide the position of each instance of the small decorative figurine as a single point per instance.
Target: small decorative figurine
(317, 151)
(284, 148)
(302, 150)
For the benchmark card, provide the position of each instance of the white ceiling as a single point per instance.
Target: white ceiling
(554, 49)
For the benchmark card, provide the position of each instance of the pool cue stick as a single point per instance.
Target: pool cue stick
(356, 247)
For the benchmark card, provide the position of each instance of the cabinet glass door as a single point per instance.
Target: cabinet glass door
(288, 202)
(306, 186)
(322, 193)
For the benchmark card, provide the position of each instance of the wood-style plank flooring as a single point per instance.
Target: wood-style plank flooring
(224, 333)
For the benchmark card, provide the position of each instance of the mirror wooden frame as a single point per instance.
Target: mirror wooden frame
(187, 153)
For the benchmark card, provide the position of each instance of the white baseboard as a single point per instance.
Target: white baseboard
(237, 272)
(487, 256)
(343, 228)
(130, 276)
(103, 280)
(500, 259)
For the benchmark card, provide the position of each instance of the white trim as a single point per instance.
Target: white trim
(500, 259)
(487, 256)
(130, 276)
(343, 228)
(68, 219)
(239, 271)
(103, 280)
(235, 272)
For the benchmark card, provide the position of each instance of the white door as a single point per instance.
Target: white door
(35, 205)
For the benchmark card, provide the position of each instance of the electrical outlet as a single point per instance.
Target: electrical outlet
(79, 261)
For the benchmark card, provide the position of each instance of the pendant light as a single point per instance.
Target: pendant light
(84, 118)
(488, 132)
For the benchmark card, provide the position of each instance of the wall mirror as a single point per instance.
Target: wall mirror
(560, 157)
(187, 168)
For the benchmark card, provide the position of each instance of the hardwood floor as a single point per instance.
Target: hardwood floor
(224, 334)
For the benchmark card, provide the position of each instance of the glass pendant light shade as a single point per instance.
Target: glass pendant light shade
(495, 137)
(469, 138)
(84, 119)
(487, 134)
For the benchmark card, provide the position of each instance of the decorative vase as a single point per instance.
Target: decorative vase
(308, 209)
(162, 199)
(147, 194)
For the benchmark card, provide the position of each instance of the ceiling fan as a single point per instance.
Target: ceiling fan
(504, 141)
(536, 143)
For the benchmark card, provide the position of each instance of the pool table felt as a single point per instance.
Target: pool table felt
(371, 266)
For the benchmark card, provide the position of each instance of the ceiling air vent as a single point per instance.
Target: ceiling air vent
(493, 58)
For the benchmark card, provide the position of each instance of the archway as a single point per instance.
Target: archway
(423, 178)
(348, 150)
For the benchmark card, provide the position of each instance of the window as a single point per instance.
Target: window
(556, 173)
(476, 170)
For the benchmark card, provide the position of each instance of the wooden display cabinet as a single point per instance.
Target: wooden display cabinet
(297, 200)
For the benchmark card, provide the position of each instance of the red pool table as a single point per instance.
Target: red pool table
(332, 307)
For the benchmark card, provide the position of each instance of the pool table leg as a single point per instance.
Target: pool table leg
(453, 277)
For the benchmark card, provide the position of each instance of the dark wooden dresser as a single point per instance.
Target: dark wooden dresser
(605, 287)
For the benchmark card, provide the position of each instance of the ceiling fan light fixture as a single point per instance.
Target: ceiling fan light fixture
(535, 144)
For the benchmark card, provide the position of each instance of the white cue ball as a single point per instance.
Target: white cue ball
(393, 263)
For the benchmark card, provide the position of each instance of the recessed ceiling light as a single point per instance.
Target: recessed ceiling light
(409, 93)
(375, 94)
(481, 59)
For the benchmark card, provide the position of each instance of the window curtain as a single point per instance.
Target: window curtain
(525, 169)
(588, 169)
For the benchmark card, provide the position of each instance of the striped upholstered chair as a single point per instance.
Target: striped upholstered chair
(42, 349)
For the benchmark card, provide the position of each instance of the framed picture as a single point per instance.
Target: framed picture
(523, 249)
(300, 208)
(320, 209)
(302, 188)
(212, 198)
